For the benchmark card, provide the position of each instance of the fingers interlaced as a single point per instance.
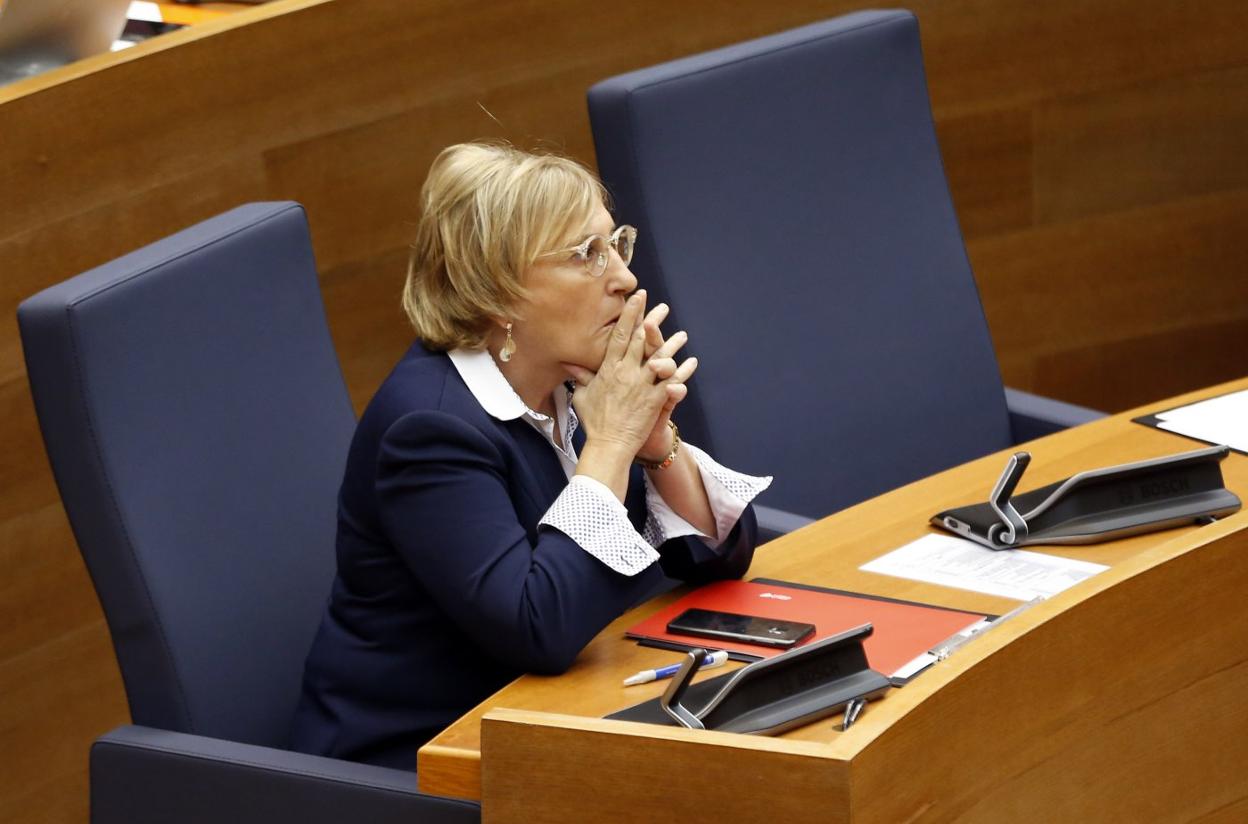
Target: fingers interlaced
(663, 368)
(676, 393)
(622, 335)
(654, 336)
(636, 345)
(685, 370)
(671, 346)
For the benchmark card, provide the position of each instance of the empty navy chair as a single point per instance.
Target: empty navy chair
(793, 208)
(197, 424)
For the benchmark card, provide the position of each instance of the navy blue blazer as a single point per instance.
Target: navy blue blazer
(446, 587)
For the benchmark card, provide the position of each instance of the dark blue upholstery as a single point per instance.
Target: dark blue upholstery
(793, 209)
(141, 775)
(197, 424)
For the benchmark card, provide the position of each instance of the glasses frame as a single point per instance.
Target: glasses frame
(581, 250)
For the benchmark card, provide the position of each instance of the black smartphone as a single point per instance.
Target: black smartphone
(753, 629)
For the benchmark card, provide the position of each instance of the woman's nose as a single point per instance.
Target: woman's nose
(621, 277)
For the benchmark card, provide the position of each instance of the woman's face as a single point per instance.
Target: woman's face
(569, 313)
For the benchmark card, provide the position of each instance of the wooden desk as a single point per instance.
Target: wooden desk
(1121, 697)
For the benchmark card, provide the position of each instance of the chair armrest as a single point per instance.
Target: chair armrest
(772, 523)
(1034, 416)
(141, 775)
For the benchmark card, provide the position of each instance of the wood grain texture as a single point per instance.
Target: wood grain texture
(988, 160)
(1108, 368)
(1116, 699)
(1068, 302)
(645, 773)
(1153, 143)
(58, 697)
(1232, 813)
(1090, 148)
(985, 54)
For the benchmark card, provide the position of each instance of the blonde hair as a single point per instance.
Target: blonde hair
(489, 211)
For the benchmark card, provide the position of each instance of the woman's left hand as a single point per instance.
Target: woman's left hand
(660, 358)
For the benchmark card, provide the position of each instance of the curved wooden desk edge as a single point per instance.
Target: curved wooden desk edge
(608, 727)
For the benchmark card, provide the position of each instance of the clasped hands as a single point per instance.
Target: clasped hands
(630, 399)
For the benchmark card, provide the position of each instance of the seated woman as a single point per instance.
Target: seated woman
(515, 484)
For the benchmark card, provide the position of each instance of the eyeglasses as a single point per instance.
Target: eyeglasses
(595, 250)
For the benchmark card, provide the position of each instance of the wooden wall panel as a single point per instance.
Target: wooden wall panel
(368, 326)
(58, 697)
(77, 240)
(1141, 145)
(1093, 150)
(58, 581)
(1200, 354)
(24, 473)
(1230, 814)
(988, 161)
(1071, 302)
(361, 186)
(992, 54)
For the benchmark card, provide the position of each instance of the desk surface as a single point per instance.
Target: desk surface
(182, 14)
(829, 553)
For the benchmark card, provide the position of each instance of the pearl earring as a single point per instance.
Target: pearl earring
(509, 347)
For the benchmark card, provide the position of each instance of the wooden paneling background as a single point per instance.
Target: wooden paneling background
(1095, 150)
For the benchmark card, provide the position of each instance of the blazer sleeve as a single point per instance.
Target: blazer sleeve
(444, 501)
(689, 559)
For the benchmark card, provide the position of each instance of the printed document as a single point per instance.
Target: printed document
(957, 562)
(1221, 420)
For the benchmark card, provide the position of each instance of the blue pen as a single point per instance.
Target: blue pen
(714, 659)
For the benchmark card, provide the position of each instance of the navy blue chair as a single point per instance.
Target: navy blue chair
(793, 209)
(197, 424)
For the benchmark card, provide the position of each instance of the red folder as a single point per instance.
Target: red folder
(903, 629)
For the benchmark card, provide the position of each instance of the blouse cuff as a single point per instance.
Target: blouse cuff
(728, 492)
(588, 513)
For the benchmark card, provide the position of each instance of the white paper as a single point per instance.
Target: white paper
(144, 11)
(1221, 420)
(957, 562)
(916, 665)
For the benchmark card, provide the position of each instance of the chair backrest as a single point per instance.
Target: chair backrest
(793, 209)
(197, 423)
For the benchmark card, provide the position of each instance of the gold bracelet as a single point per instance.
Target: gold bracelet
(671, 456)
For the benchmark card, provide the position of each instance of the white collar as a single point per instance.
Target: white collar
(489, 386)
